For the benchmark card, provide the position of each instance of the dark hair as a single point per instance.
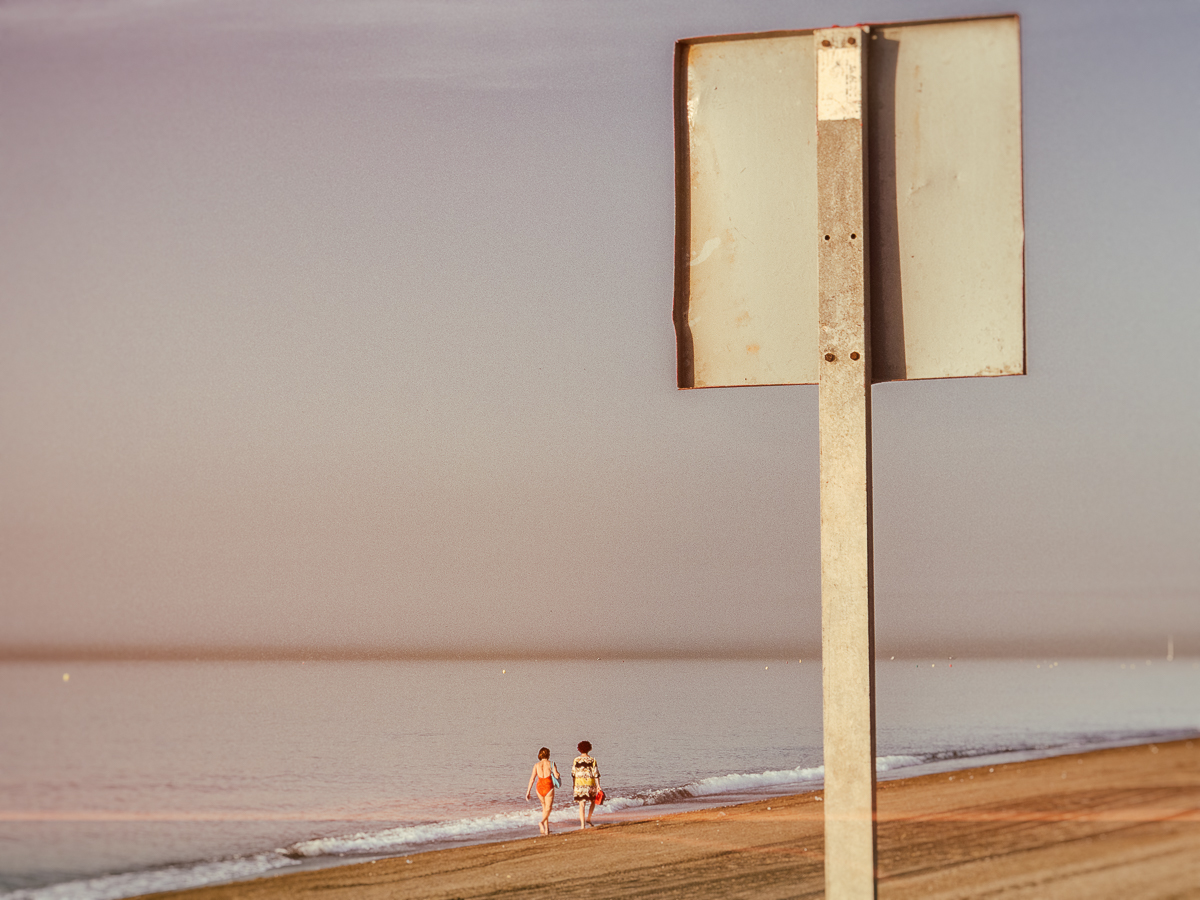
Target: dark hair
(585, 747)
(544, 753)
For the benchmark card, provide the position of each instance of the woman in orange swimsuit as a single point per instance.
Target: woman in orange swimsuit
(544, 772)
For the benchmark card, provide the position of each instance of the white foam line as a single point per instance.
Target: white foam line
(149, 881)
(411, 835)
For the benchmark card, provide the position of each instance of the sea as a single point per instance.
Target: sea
(124, 778)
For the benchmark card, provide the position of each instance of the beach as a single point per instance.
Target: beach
(1120, 823)
(276, 772)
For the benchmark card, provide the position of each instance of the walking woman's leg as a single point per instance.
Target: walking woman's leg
(582, 820)
(547, 803)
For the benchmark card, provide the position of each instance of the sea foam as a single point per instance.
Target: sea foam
(150, 881)
(474, 829)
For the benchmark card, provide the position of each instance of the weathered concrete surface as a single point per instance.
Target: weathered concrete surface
(845, 425)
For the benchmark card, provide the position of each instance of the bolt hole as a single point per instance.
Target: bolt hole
(826, 44)
(829, 357)
(854, 355)
(826, 237)
(851, 41)
(853, 236)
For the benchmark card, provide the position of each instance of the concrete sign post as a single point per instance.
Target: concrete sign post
(847, 660)
(849, 211)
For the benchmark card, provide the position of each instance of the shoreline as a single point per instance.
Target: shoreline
(1119, 822)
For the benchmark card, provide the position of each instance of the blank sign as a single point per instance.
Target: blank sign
(945, 233)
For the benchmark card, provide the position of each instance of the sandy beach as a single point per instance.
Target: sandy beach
(1118, 823)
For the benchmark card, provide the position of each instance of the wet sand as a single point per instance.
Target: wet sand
(1121, 823)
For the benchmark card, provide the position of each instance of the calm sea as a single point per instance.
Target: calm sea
(124, 778)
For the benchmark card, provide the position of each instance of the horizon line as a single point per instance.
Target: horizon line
(45, 652)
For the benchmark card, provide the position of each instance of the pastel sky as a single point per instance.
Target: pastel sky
(345, 326)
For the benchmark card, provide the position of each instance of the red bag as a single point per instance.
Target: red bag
(599, 797)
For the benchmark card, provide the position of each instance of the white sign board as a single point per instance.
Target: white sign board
(945, 233)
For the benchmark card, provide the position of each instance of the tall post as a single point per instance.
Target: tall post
(847, 639)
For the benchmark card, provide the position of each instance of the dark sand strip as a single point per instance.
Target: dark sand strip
(1121, 823)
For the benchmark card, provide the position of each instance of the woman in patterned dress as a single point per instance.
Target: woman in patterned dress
(586, 776)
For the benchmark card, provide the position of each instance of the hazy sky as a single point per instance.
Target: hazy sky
(347, 324)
